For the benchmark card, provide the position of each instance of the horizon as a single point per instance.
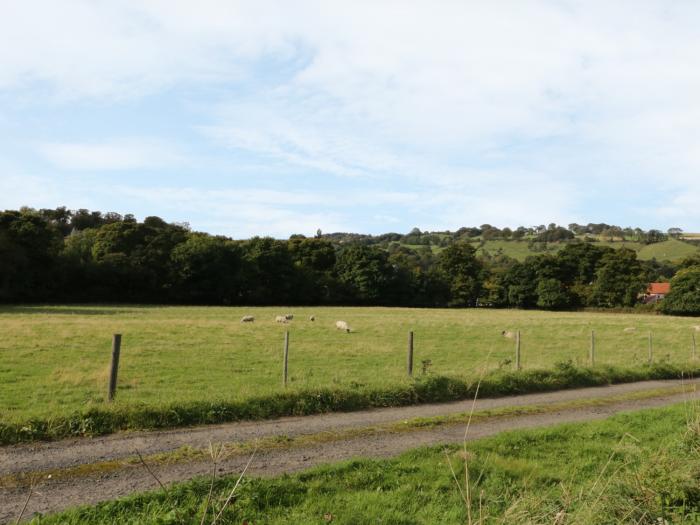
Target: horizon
(275, 119)
(536, 228)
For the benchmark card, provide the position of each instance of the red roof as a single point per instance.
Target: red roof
(659, 288)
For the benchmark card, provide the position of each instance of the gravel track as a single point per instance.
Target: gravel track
(56, 495)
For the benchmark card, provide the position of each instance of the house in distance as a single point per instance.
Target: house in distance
(656, 292)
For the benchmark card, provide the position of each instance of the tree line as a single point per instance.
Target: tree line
(82, 256)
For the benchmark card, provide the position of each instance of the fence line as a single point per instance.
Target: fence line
(117, 338)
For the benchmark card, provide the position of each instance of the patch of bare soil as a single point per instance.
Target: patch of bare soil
(55, 495)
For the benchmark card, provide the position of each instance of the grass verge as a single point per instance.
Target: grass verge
(430, 388)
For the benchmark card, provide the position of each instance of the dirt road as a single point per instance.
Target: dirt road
(52, 495)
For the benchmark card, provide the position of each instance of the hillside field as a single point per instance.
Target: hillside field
(54, 360)
(670, 250)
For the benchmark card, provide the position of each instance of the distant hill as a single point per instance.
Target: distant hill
(669, 250)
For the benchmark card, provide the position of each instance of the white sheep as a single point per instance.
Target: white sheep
(508, 334)
(630, 329)
(289, 317)
(697, 327)
(342, 325)
(280, 319)
(247, 319)
(312, 318)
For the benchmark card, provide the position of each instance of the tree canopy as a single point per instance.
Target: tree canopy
(67, 256)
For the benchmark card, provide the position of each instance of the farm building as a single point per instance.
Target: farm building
(656, 292)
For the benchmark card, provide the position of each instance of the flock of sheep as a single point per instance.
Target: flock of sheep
(340, 325)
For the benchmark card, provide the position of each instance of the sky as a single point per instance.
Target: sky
(262, 117)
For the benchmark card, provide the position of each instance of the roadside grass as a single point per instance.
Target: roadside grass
(187, 366)
(640, 467)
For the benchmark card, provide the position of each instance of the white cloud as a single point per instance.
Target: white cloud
(506, 112)
(125, 154)
(27, 190)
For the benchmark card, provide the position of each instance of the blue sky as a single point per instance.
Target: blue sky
(273, 118)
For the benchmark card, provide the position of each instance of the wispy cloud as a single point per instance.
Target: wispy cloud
(123, 154)
(505, 112)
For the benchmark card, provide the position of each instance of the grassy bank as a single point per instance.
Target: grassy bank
(640, 467)
(106, 418)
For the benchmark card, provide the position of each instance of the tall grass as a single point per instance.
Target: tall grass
(631, 486)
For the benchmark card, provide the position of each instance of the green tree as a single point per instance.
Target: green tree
(684, 297)
(314, 260)
(552, 294)
(464, 273)
(269, 272)
(520, 284)
(29, 248)
(619, 279)
(366, 275)
(207, 270)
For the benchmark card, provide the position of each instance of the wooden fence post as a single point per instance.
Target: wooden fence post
(592, 351)
(651, 349)
(286, 358)
(114, 368)
(409, 357)
(517, 350)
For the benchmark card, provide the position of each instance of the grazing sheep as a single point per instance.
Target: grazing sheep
(508, 334)
(342, 325)
(312, 318)
(629, 330)
(289, 317)
(247, 319)
(697, 327)
(280, 319)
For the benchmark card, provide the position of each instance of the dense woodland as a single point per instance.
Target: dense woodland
(82, 256)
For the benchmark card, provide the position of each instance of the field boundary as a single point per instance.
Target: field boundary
(430, 388)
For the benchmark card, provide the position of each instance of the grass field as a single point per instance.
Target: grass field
(516, 249)
(671, 250)
(54, 360)
(637, 468)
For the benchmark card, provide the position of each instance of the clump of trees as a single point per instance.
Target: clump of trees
(84, 256)
(684, 297)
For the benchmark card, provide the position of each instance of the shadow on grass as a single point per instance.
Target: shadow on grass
(76, 310)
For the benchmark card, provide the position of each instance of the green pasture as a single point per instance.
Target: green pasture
(54, 360)
(671, 250)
